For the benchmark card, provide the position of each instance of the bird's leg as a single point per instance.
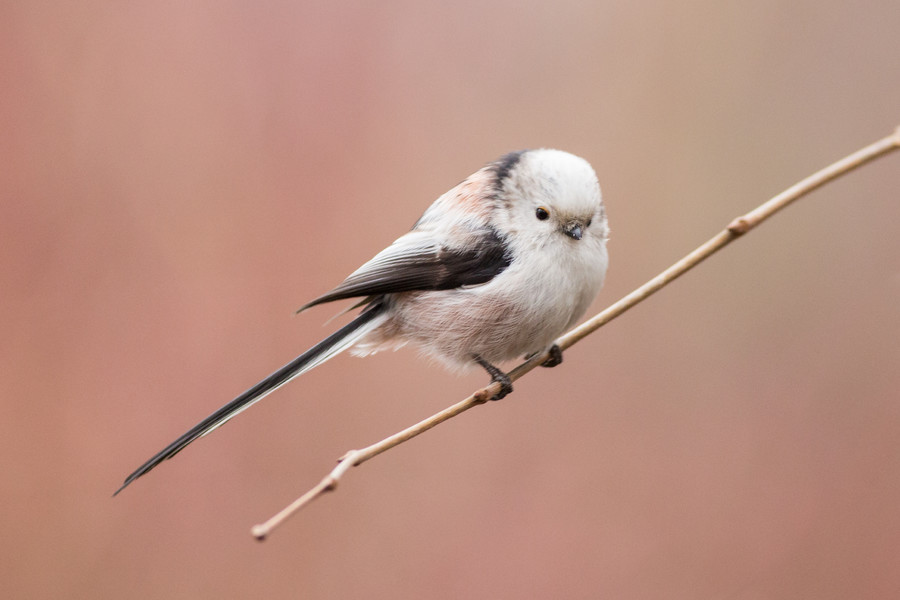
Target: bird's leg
(555, 357)
(497, 376)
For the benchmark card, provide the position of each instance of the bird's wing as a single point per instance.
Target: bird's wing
(421, 261)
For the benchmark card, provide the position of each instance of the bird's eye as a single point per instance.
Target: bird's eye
(542, 214)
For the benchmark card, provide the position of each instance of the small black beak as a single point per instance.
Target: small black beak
(573, 230)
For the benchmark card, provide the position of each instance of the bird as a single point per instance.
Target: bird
(496, 268)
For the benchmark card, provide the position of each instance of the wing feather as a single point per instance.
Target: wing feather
(418, 261)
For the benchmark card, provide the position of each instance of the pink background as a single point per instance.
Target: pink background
(177, 177)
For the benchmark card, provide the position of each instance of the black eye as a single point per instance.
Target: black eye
(542, 214)
(588, 224)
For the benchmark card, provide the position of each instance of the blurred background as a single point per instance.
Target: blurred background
(179, 176)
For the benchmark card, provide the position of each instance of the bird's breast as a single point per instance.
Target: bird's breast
(518, 312)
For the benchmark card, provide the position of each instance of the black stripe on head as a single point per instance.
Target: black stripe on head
(503, 166)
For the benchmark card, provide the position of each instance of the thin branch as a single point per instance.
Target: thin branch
(735, 229)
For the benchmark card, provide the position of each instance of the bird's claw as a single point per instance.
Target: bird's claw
(497, 376)
(555, 357)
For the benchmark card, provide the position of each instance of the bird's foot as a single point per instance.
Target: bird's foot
(555, 357)
(497, 376)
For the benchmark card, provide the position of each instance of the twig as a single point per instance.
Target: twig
(735, 229)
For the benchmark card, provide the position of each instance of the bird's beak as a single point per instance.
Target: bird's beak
(573, 230)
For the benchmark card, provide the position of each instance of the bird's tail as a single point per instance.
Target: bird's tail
(334, 344)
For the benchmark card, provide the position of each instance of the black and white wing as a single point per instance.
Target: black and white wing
(419, 261)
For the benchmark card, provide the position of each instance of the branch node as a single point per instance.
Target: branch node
(481, 396)
(740, 226)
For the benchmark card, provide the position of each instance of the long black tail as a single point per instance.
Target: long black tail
(340, 340)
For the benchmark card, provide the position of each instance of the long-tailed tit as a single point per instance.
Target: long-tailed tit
(496, 268)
